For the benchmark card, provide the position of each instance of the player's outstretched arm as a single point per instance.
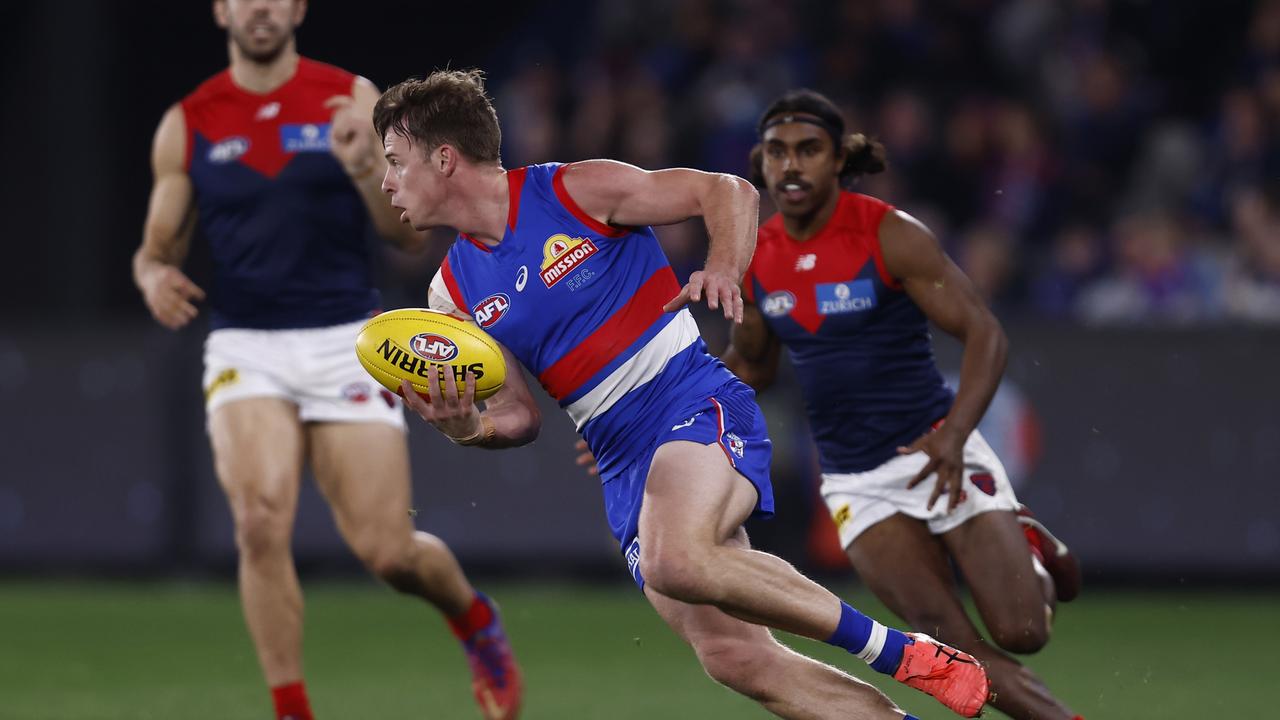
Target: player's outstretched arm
(166, 236)
(948, 298)
(619, 194)
(753, 349)
(358, 149)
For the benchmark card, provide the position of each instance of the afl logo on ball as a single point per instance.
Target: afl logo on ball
(490, 310)
(433, 348)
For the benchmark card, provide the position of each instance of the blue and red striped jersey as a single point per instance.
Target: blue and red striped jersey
(579, 303)
(285, 226)
(860, 346)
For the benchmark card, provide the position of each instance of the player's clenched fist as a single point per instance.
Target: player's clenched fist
(170, 296)
(351, 138)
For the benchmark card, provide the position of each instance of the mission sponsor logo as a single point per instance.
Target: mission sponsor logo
(561, 254)
(846, 297)
(305, 137)
(225, 151)
(490, 310)
(411, 363)
(778, 303)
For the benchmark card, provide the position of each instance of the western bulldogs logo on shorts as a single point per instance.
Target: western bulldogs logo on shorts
(735, 444)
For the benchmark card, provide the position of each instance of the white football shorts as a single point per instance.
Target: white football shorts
(314, 368)
(859, 500)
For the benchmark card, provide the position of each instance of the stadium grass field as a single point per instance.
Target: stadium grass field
(101, 651)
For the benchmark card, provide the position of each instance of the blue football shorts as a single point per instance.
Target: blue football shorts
(729, 418)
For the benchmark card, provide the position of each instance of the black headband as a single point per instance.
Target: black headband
(785, 118)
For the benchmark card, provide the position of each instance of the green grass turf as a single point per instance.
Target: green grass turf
(163, 650)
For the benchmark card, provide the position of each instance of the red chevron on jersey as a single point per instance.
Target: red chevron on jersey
(264, 132)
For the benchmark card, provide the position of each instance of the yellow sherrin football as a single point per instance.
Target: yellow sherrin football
(405, 344)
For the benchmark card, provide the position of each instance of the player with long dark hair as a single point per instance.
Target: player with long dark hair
(848, 285)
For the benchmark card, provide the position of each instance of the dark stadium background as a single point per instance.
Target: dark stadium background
(1097, 166)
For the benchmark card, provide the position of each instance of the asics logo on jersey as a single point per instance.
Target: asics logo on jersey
(778, 303)
(268, 111)
(490, 310)
(562, 253)
(433, 348)
(522, 277)
(808, 261)
(227, 150)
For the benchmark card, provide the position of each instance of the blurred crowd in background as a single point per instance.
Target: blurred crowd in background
(1096, 161)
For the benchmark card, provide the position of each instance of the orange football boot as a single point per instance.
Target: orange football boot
(954, 678)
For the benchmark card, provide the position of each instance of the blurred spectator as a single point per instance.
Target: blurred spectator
(1030, 121)
(1158, 276)
(986, 254)
(1075, 260)
(1252, 287)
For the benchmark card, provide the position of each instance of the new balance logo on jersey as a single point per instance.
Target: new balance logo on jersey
(845, 297)
(778, 303)
(268, 111)
(490, 310)
(808, 261)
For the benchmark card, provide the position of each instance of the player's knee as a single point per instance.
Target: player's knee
(738, 664)
(677, 574)
(263, 527)
(1020, 635)
(389, 561)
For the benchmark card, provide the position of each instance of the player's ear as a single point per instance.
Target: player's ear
(299, 12)
(446, 159)
(220, 14)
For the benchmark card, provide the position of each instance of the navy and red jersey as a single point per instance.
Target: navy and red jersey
(579, 303)
(285, 225)
(860, 346)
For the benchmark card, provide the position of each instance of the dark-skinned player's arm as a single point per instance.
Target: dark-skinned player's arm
(510, 418)
(166, 236)
(358, 149)
(753, 349)
(621, 195)
(948, 298)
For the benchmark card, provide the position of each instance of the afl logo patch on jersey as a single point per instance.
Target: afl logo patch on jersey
(845, 297)
(561, 254)
(433, 348)
(778, 303)
(490, 310)
(305, 137)
(225, 151)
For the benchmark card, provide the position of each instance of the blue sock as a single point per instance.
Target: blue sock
(880, 646)
(910, 717)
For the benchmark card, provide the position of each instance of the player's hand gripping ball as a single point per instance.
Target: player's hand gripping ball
(407, 344)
